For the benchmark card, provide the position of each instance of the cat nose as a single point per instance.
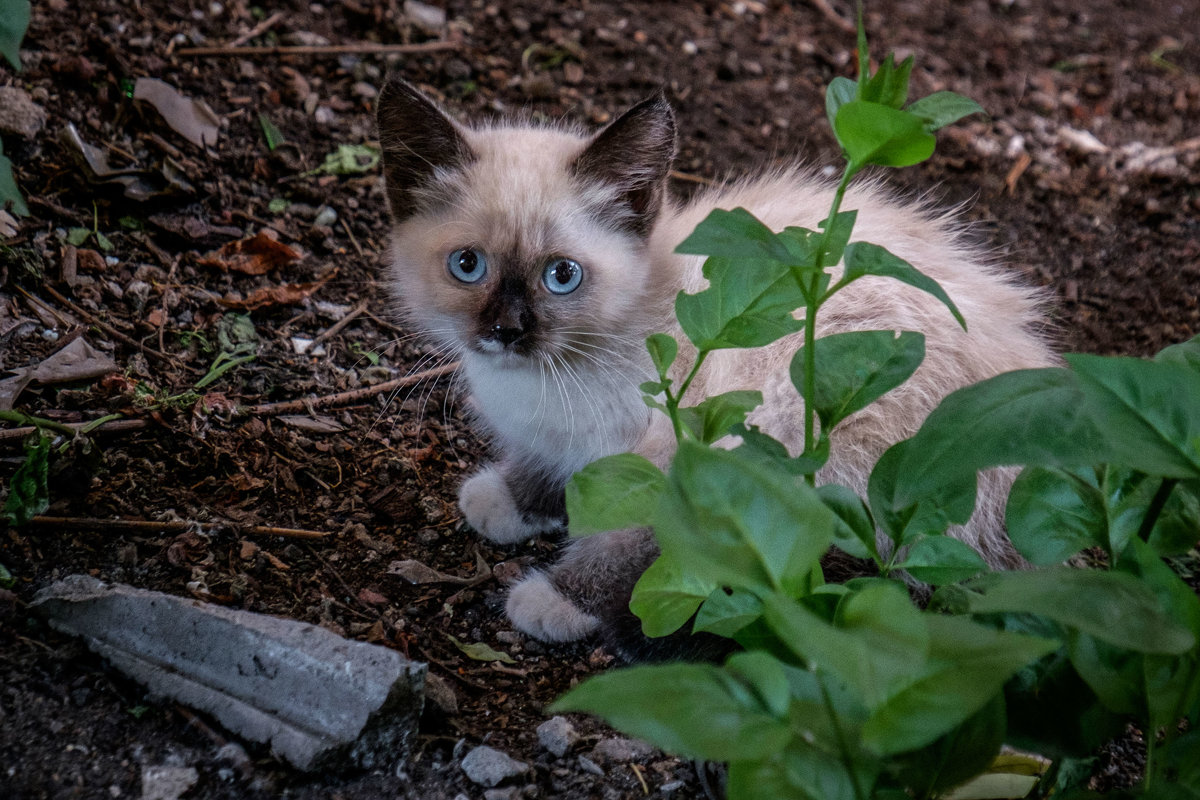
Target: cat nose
(506, 336)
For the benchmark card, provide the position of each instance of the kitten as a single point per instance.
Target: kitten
(542, 257)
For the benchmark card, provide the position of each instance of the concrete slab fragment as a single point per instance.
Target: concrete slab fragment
(321, 701)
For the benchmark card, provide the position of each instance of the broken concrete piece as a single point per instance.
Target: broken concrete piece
(167, 783)
(321, 701)
(488, 766)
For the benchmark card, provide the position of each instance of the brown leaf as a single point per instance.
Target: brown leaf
(277, 295)
(257, 255)
(78, 361)
(372, 598)
(248, 551)
(192, 119)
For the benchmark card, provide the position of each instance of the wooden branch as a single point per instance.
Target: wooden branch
(366, 48)
(173, 526)
(342, 398)
(112, 426)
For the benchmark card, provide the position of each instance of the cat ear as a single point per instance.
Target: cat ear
(418, 140)
(634, 154)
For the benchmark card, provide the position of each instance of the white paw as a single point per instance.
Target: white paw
(488, 506)
(540, 610)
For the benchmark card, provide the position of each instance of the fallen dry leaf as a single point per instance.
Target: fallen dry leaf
(317, 424)
(78, 361)
(190, 118)
(277, 295)
(257, 255)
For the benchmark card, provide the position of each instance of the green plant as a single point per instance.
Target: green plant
(14, 21)
(853, 691)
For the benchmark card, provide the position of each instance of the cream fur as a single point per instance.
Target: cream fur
(578, 399)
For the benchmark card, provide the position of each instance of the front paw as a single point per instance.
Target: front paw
(489, 508)
(537, 608)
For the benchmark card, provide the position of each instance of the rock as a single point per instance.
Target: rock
(167, 783)
(322, 702)
(430, 19)
(621, 750)
(557, 735)
(19, 114)
(488, 766)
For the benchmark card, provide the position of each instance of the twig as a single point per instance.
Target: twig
(172, 526)
(840, 22)
(111, 426)
(353, 241)
(109, 330)
(319, 50)
(337, 327)
(343, 398)
(690, 178)
(257, 30)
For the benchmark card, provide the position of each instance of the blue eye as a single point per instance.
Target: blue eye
(563, 275)
(467, 265)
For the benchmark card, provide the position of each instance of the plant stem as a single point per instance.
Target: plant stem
(21, 418)
(673, 400)
(1157, 503)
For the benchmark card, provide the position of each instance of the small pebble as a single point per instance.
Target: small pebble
(488, 766)
(557, 735)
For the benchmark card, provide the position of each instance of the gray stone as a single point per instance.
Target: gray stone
(428, 18)
(321, 701)
(488, 766)
(167, 783)
(557, 735)
(19, 114)
(621, 750)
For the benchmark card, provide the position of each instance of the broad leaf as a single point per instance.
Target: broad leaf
(734, 234)
(1053, 514)
(614, 492)
(854, 530)
(1185, 354)
(889, 85)
(939, 560)
(725, 612)
(948, 503)
(1111, 606)
(1023, 417)
(863, 258)
(943, 108)
(28, 493)
(841, 90)
(856, 368)
(666, 597)
(729, 520)
(963, 753)
(872, 133)
(839, 236)
(713, 418)
(14, 21)
(747, 304)
(10, 195)
(1147, 411)
(662, 349)
(692, 710)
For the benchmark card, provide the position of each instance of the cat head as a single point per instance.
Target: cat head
(521, 242)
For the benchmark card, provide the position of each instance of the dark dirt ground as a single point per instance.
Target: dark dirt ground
(1085, 177)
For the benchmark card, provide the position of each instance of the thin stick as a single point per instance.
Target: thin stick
(343, 398)
(318, 50)
(112, 426)
(257, 30)
(840, 22)
(173, 526)
(109, 330)
(690, 178)
(336, 328)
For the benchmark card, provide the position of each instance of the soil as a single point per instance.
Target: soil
(1084, 177)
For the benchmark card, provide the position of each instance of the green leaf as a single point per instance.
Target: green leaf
(969, 666)
(349, 159)
(747, 304)
(872, 133)
(943, 108)
(666, 597)
(481, 651)
(10, 195)
(271, 134)
(6, 578)
(1022, 417)
(614, 492)
(765, 674)
(879, 648)
(839, 236)
(841, 90)
(692, 710)
(713, 418)
(889, 85)
(771, 453)
(734, 234)
(1111, 606)
(856, 368)
(1177, 528)
(1149, 411)
(725, 612)
(961, 754)
(14, 21)
(863, 258)
(939, 560)
(663, 349)
(28, 492)
(948, 503)
(1115, 674)
(278, 205)
(103, 242)
(1052, 514)
(854, 530)
(1185, 354)
(729, 520)
(77, 236)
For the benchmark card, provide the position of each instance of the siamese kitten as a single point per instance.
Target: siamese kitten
(542, 257)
